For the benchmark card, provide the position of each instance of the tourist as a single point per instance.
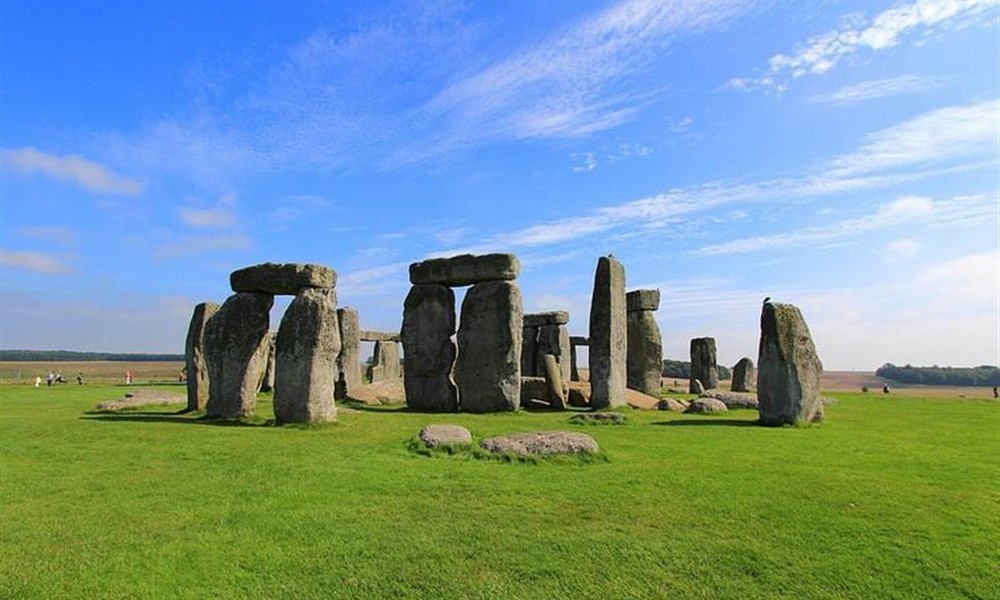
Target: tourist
(38, 382)
(885, 389)
(128, 377)
(50, 378)
(79, 379)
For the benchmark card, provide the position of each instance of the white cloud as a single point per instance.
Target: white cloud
(198, 245)
(585, 161)
(879, 88)
(88, 174)
(218, 218)
(62, 235)
(38, 262)
(899, 250)
(823, 52)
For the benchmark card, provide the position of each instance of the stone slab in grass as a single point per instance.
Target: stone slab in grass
(671, 405)
(600, 418)
(137, 398)
(733, 399)
(706, 406)
(434, 436)
(542, 443)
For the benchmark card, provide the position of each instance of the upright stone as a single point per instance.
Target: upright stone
(743, 375)
(553, 339)
(267, 380)
(608, 335)
(385, 362)
(788, 368)
(428, 349)
(529, 347)
(349, 358)
(704, 367)
(307, 345)
(234, 338)
(465, 269)
(488, 369)
(554, 382)
(645, 346)
(194, 356)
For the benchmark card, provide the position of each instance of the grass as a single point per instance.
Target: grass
(889, 498)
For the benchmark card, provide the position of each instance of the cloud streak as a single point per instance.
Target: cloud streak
(89, 175)
(37, 262)
(876, 89)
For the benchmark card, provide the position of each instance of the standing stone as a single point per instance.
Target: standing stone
(349, 358)
(554, 382)
(194, 356)
(645, 345)
(428, 349)
(488, 369)
(267, 380)
(788, 368)
(307, 345)
(529, 347)
(233, 339)
(553, 340)
(743, 375)
(703, 364)
(385, 362)
(608, 335)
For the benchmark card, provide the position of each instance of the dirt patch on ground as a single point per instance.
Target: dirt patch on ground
(138, 397)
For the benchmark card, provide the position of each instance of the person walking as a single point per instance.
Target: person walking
(50, 378)
(38, 380)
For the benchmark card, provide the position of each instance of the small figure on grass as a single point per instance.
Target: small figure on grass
(885, 389)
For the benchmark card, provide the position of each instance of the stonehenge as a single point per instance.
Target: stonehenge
(235, 342)
(644, 359)
(484, 374)
(349, 357)
(788, 368)
(704, 368)
(608, 335)
(194, 356)
(545, 333)
(744, 376)
(575, 341)
(306, 349)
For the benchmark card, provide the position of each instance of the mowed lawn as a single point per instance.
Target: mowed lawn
(889, 498)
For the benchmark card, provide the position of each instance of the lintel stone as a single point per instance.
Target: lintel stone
(465, 269)
(282, 279)
(555, 317)
(378, 336)
(637, 300)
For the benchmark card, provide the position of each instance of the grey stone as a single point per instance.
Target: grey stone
(553, 339)
(282, 279)
(194, 356)
(379, 336)
(434, 436)
(703, 363)
(534, 392)
(671, 405)
(788, 368)
(554, 383)
(733, 399)
(307, 345)
(608, 335)
(267, 380)
(554, 317)
(743, 376)
(529, 347)
(428, 349)
(645, 352)
(637, 300)
(696, 387)
(465, 269)
(385, 362)
(542, 443)
(706, 405)
(349, 358)
(488, 368)
(235, 351)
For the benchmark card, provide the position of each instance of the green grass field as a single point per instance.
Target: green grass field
(890, 498)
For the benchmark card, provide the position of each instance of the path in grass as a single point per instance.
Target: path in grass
(889, 498)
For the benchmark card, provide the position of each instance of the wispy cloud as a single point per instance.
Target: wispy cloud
(584, 161)
(90, 175)
(821, 53)
(62, 235)
(196, 245)
(899, 250)
(876, 89)
(38, 262)
(218, 218)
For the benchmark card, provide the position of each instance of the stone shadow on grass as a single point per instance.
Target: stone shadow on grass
(708, 422)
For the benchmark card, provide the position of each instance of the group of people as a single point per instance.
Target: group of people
(56, 378)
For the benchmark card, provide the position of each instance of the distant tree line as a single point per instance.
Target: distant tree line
(682, 370)
(70, 356)
(983, 375)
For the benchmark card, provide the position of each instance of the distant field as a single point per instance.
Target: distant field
(93, 372)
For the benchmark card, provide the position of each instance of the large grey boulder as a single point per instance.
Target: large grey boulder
(194, 356)
(704, 367)
(267, 379)
(349, 358)
(788, 368)
(608, 335)
(235, 342)
(554, 383)
(428, 349)
(307, 345)
(465, 269)
(435, 436)
(488, 368)
(282, 279)
(743, 375)
(385, 362)
(733, 399)
(706, 405)
(542, 443)
(644, 358)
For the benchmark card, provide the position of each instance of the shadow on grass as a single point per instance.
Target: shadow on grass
(175, 417)
(708, 422)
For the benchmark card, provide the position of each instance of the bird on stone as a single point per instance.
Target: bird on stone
(766, 300)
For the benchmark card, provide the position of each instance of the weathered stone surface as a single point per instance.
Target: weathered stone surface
(579, 395)
(706, 405)
(465, 269)
(267, 379)
(428, 350)
(697, 387)
(744, 376)
(554, 382)
(434, 436)
(194, 356)
(788, 368)
(733, 399)
(368, 335)
(554, 340)
(385, 362)
(603, 418)
(307, 345)
(637, 300)
(488, 369)
(383, 392)
(534, 392)
(234, 343)
(554, 317)
(349, 358)
(644, 359)
(529, 346)
(703, 364)
(608, 335)
(282, 279)
(542, 443)
(671, 405)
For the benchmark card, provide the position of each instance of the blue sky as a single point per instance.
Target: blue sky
(842, 156)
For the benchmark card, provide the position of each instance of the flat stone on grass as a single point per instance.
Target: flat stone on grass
(706, 406)
(599, 418)
(542, 443)
(434, 436)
